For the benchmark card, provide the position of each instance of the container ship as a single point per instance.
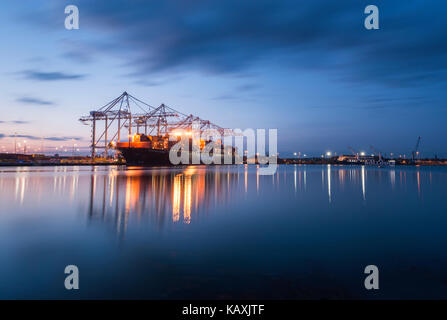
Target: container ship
(148, 150)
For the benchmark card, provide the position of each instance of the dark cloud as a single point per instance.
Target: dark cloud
(231, 36)
(226, 97)
(19, 122)
(31, 137)
(15, 122)
(63, 138)
(239, 94)
(50, 76)
(391, 102)
(31, 100)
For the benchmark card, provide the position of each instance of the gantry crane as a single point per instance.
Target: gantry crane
(159, 121)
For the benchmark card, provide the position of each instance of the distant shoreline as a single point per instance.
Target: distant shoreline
(59, 164)
(30, 160)
(303, 163)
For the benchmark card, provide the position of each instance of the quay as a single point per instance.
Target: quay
(17, 159)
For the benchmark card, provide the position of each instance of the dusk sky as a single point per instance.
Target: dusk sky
(308, 68)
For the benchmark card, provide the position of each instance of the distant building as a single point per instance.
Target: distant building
(358, 159)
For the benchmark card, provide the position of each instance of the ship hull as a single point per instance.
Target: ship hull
(152, 157)
(145, 157)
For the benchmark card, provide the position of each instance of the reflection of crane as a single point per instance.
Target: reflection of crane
(376, 151)
(356, 154)
(415, 153)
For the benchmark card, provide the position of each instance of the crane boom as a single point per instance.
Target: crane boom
(356, 154)
(415, 152)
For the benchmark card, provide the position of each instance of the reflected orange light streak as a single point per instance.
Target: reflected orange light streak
(187, 200)
(176, 197)
(419, 183)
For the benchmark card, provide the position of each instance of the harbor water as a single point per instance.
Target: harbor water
(223, 232)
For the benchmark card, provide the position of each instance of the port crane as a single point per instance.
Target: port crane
(356, 154)
(377, 152)
(415, 152)
(127, 112)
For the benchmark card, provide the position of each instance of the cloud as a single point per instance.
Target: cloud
(50, 76)
(31, 137)
(63, 138)
(150, 83)
(31, 100)
(226, 97)
(233, 36)
(15, 122)
(229, 37)
(78, 56)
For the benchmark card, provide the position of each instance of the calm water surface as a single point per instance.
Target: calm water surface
(223, 232)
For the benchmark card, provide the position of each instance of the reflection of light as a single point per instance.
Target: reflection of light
(16, 194)
(176, 198)
(341, 177)
(22, 189)
(128, 194)
(329, 182)
(187, 200)
(180, 195)
(294, 177)
(73, 187)
(190, 171)
(257, 178)
(322, 178)
(393, 177)
(246, 176)
(305, 182)
(419, 183)
(363, 183)
(112, 188)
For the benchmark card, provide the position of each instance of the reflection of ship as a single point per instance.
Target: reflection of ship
(159, 197)
(154, 150)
